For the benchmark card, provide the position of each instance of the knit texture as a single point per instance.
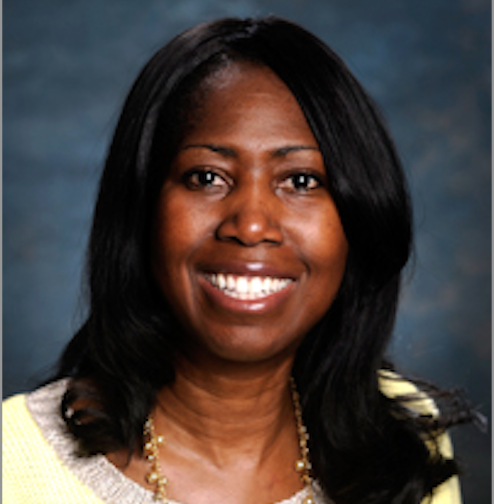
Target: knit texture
(40, 467)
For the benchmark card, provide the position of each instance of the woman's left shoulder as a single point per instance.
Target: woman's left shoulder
(395, 386)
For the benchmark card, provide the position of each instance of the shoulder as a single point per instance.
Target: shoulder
(14, 413)
(40, 464)
(33, 469)
(395, 386)
(22, 410)
(31, 421)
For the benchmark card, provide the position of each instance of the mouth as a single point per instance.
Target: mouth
(247, 288)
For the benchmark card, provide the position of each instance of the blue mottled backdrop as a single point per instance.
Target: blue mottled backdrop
(67, 66)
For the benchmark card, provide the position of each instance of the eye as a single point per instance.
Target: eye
(301, 182)
(197, 179)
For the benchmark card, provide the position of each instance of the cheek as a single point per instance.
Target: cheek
(323, 242)
(177, 229)
(329, 246)
(172, 236)
(326, 255)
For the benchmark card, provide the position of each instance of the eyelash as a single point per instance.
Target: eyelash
(308, 178)
(300, 181)
(196, 179)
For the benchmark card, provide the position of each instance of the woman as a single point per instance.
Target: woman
(244, 268)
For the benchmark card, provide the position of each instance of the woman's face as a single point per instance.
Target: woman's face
(248, 250)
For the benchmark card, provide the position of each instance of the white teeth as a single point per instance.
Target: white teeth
(256, 284)
(266, 284)
(221, 281)
(242, 285)
(247, 288)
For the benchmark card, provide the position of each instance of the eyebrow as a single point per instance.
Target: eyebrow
(224, 151)
(283, 151)
(231, 153)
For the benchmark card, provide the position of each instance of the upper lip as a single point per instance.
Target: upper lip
(250, 268)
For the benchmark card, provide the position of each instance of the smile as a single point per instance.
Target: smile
(247, 287)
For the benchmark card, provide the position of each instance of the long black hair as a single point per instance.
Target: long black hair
(365, 447)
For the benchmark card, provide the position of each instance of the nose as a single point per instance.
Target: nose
(252, 217)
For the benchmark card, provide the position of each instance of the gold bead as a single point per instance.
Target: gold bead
(300, 465)
(309, 500)
(160, 439)
(152, 477)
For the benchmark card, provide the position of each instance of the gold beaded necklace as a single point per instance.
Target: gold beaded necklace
(152, 443)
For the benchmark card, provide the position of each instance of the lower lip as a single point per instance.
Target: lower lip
(259, 305)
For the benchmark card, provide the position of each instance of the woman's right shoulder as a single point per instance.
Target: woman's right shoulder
(23, 419)
(14, 405)
(37, 451)
(15, 417)
(24, 410)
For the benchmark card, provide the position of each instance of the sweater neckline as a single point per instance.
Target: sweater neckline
(97, 472)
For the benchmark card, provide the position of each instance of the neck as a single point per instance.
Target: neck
(221, 426)
(220, 415)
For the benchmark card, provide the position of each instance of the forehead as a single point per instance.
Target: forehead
(249, 100)
(242, 79)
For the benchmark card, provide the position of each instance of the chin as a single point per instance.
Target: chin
(245, 348)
